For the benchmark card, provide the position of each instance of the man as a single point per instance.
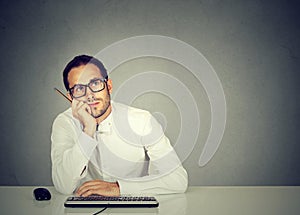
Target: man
(106, 148)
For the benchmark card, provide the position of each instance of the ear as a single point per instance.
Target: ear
(109, 86)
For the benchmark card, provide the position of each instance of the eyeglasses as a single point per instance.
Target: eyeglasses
(95, 85)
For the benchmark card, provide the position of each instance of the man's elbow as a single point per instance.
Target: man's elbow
(183, 184)
(62, 187)
(181, 181)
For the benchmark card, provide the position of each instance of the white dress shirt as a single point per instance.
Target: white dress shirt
(129, 147)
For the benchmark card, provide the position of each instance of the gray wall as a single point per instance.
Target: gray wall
(252, 45)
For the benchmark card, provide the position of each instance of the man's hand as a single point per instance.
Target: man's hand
(82, 112)
(99, 187)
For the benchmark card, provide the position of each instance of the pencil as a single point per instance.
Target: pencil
(58, 91)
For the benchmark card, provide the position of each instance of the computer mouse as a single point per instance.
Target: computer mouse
(41, 194)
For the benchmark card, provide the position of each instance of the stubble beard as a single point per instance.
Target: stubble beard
(96, 113)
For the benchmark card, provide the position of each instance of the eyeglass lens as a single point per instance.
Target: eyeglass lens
(79, 90)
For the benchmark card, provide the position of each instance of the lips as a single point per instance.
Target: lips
(94, 104)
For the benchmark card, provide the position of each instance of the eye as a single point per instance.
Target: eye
(78, 88)
(95, 83)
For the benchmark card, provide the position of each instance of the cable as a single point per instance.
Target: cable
(100, 211)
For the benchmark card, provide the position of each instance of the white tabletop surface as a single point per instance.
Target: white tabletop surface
(197, 200)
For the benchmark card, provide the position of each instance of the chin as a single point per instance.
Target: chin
(97, 114)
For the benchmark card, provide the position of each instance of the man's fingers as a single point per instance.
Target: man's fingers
(80, 109)
(90, 185)
(87, 191)
(88, 109)
(81, 106)
(84, 107)
(76, 105)
(98, 187)
(83, 112)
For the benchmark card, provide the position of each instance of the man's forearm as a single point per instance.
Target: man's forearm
(70, 154)
(68, 169)
(174, 182)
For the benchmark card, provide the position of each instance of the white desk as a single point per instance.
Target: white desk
(197, 200)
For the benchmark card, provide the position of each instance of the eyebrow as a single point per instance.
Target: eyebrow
(93, 79)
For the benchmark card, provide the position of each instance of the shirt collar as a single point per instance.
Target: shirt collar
(105, 125)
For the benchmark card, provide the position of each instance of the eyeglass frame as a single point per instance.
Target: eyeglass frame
(103, 80)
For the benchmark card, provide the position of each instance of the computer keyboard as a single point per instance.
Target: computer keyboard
(116, 202)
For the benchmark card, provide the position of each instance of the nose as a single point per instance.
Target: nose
(90, 95)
